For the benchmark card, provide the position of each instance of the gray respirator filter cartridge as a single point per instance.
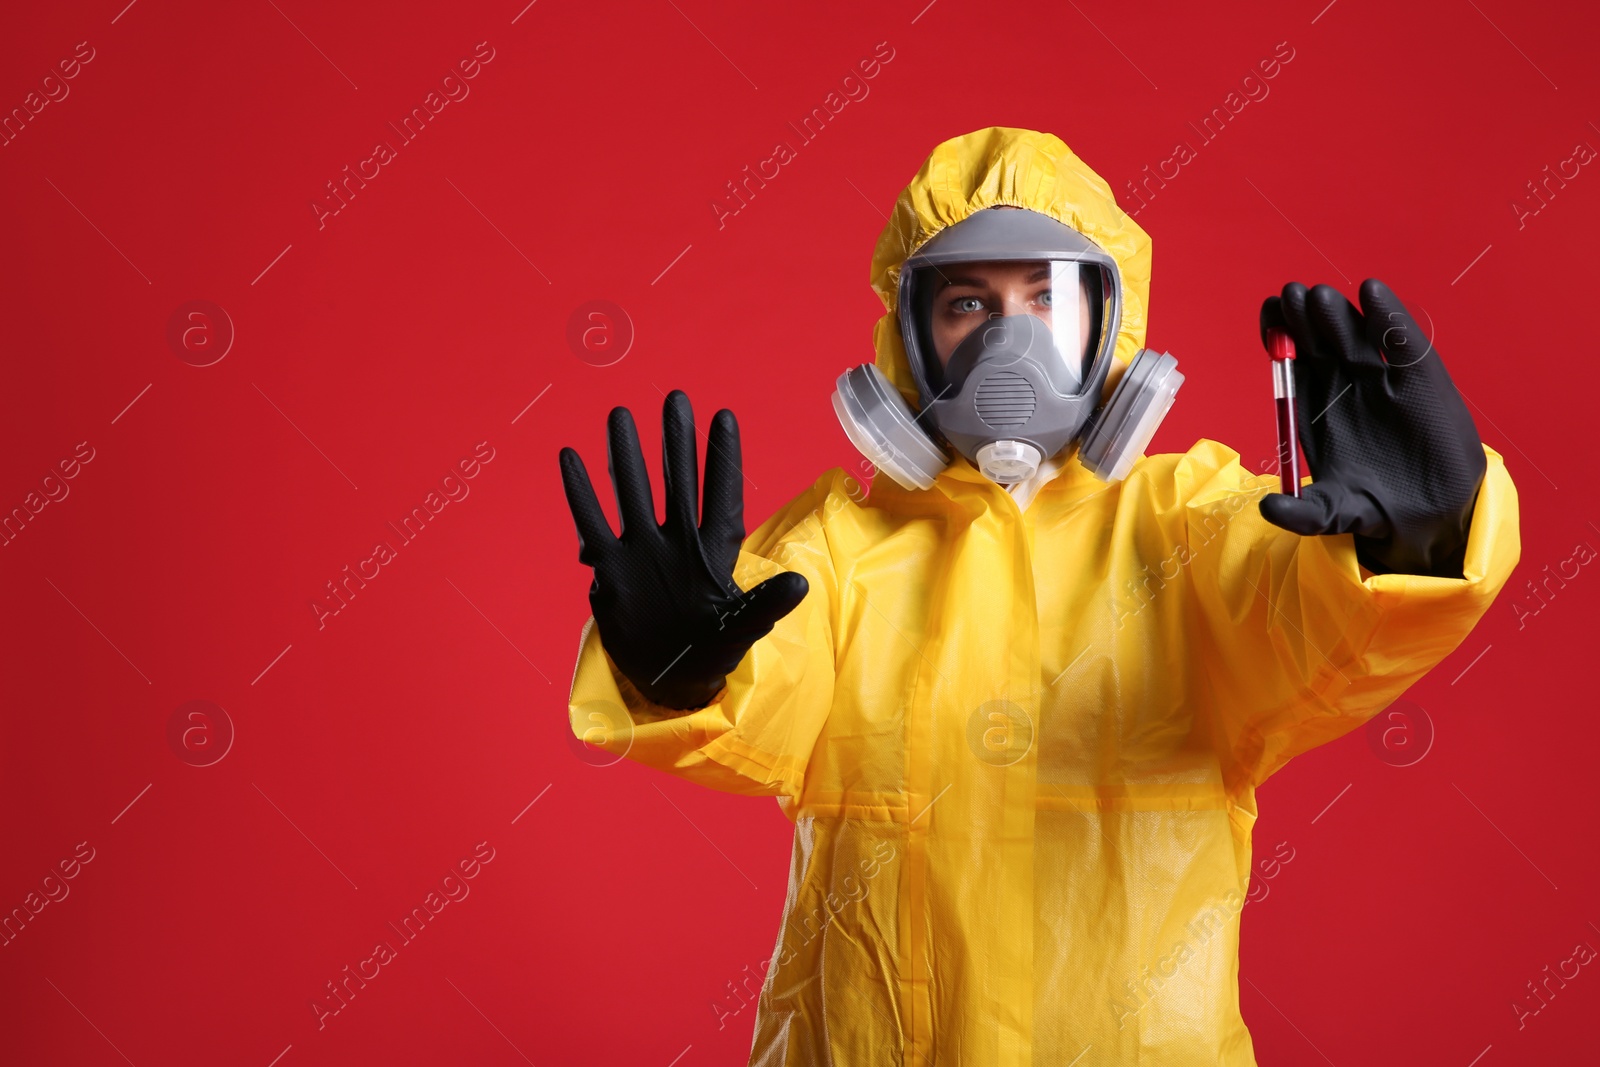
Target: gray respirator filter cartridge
(888, 434)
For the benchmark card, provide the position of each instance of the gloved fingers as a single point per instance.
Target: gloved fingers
(722, 514)
(1292, 304)
(1391, 329)
(594, 532)
(1339, 324)
(634, 503)
(679, 465)
(1317, 375)
(1272, 318)
(759, 609)
(1410, 350)
(1306, 515)
(1328, 508)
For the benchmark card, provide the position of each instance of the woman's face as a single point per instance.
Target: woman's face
(967, 294)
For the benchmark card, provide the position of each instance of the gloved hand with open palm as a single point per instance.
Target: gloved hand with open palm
(669, 612)
(1395, 457)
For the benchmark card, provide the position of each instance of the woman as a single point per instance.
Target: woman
(1019, 716)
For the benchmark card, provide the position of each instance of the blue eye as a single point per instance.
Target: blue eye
(966, 305)
(1046, 298)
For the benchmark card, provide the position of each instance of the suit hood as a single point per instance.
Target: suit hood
(1023, 168)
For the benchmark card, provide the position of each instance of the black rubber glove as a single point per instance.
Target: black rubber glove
(669, 612)
(1395, 457)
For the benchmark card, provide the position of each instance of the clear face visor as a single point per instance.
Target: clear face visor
(1071, 297)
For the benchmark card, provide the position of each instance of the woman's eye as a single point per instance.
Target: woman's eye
(966, 305)
(1045, 298)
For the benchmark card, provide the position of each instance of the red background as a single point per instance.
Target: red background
(377, 351)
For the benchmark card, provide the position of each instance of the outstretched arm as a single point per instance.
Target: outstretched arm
(1311, 615)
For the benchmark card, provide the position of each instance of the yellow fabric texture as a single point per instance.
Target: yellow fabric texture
(1021, 745)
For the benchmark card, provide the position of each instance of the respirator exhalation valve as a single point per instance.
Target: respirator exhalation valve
(1005, 399)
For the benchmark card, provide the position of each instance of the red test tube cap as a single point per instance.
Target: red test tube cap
(1279, 344)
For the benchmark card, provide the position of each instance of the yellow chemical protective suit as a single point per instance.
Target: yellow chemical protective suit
(1021, 745)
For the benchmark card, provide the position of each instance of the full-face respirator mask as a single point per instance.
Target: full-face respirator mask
(1009, 320)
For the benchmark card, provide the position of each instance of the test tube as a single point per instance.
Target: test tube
(1280, 346)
